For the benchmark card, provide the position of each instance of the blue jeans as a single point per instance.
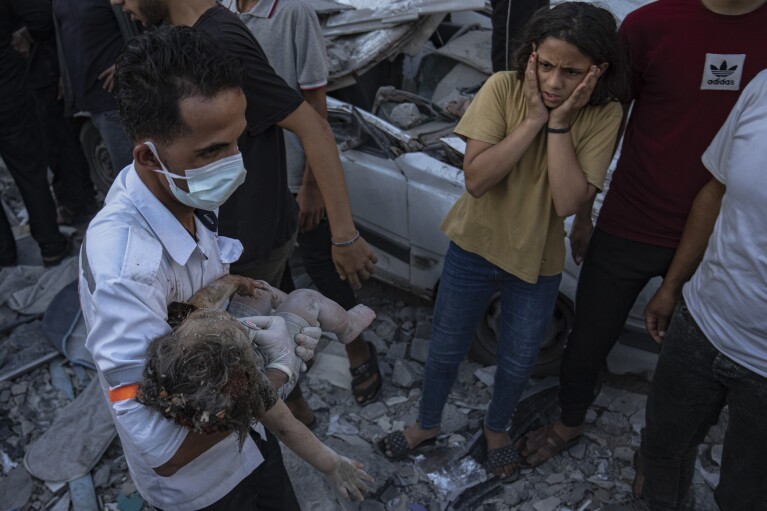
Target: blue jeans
(692, 383)
(118, 144)
(467, 284)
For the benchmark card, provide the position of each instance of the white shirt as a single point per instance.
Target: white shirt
(136, 259)
(727, 296)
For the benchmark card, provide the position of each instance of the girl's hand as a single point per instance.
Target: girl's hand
(561, 115)
(536, 110)
(348, 478)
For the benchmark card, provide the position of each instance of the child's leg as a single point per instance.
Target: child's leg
(260, 301)
(315, 309)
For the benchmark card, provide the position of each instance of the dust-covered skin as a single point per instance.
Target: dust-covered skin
(349, 478)
(206, 376)
(313, 307)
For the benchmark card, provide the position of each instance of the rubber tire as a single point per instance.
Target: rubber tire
(485, 339)
(102, 173)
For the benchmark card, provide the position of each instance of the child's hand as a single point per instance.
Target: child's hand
(580, 97)
(348, 478)
(536, 110)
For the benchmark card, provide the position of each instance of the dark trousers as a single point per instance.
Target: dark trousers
(21, 147)
(315, 249)
(71, 177)
(509, 18)
(692, 383)
(614, 272)
(267, 488)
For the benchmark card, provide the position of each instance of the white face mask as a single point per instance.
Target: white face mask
(209, 186)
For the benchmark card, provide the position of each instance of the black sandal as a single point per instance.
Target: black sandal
(364, 372)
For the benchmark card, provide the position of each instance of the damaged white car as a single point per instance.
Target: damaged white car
(402, 165)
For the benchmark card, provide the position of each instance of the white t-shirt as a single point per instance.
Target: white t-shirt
(727, 296)
(136, 259)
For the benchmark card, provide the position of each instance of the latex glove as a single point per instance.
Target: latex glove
(272, 338)
(306, 342)
(348, 478)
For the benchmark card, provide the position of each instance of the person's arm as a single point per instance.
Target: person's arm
(692, 246)
(36, 16)
(346, 475)
(355, 261)
(485, 164)
(309, 198)
(570, 189)
(583, 226)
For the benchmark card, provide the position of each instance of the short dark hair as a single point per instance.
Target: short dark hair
(159, 68)
(593, 31)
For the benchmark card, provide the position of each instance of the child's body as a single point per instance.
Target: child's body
(257, 298)
(206, 376)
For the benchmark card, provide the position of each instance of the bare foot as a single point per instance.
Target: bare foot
(358, 319)
(414, 436)
(496, 440)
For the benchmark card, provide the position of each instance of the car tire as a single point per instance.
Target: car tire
(483, 348)
(97, 154)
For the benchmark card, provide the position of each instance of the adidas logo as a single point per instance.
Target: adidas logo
(721, 73)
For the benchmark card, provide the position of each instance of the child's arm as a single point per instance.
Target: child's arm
(345, 474)
(215, 295)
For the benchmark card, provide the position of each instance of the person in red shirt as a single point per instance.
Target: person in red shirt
(690, 60)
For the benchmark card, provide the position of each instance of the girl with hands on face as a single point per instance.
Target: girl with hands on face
(539, 140)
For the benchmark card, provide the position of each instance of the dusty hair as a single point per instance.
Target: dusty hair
(593, 31)
(206, 380)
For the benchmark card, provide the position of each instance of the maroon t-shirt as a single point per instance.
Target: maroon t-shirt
(689, 66)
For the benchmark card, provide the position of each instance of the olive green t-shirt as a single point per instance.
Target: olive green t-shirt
(514, 224)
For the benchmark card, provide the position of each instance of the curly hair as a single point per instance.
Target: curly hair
(158, 69)
(204, 379)
(593, 31)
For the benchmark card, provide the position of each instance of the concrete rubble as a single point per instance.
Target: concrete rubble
(594, 473)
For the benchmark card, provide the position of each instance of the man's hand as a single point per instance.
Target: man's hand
(311, 206)
(274, 341)
(108, 75)
(355, 262)
(21, 41)
(657, 314)
(580, 234)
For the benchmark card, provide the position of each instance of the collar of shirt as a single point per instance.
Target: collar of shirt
(263, 9)
(166, 227)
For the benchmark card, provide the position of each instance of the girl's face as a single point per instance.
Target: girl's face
(561, 68)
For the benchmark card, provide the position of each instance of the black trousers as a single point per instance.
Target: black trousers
(315, 249)
(267, 488)
(71, 178)
(614, 272)
(21, 147)
(509, 18)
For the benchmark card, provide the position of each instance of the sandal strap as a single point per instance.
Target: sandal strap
(366, 370)
(501, 457)
(397, 444)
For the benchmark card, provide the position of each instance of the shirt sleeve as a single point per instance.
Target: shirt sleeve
(124, 305)
(485, 118)
(596, 143)
(629, 37)
(269, 98)
(311, 56)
